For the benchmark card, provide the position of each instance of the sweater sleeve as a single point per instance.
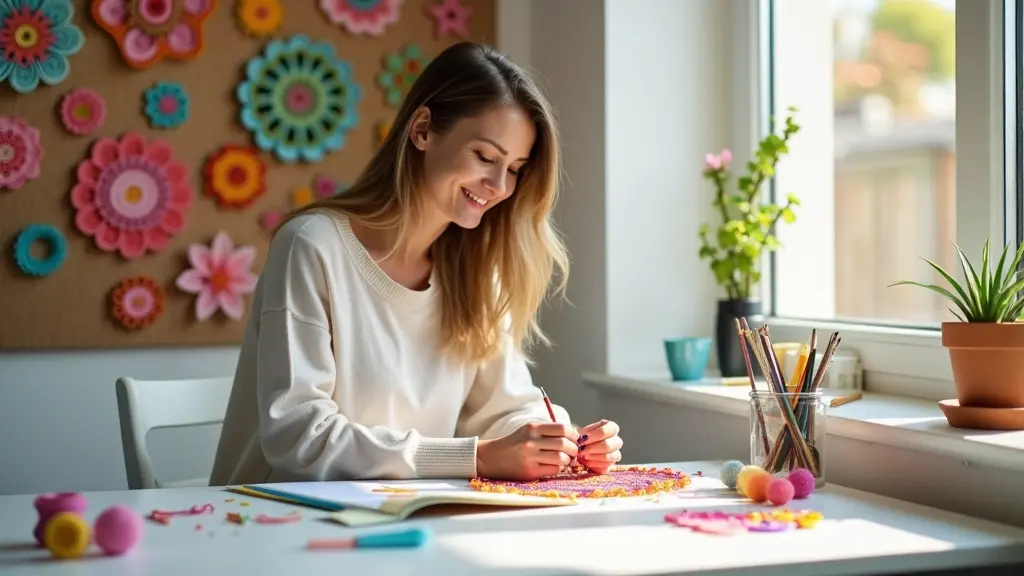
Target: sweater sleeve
(302, 431)
(503, 398)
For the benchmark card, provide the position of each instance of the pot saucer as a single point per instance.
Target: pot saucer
(982, 418)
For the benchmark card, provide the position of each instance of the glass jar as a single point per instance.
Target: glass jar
(787, 431)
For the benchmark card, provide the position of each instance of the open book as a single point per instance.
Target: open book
(359, 503)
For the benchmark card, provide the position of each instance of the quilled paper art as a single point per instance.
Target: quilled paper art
(579, 483)
(166, 104)
(55, 250)
(82, 111)
(137, 302)
(220, 276)
(131, 195)
(259, 18)
(36, 39)
(327, 187)
(298, 99)
(148, 31)
(368, 17)
(20, 153)
(235, 175)
(400, 72)
(452, 17)
(716, 522)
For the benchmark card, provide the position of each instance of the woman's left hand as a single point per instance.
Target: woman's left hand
(599, 446)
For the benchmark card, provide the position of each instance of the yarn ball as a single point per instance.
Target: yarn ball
(730, 473)
(779, 491)
(118, 529)
(802, 481)
(746, 473)
(757, 486)
(66, 535)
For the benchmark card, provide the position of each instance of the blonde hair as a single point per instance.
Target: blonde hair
(516, 242)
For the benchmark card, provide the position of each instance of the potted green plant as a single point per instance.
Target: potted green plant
(986, 343)
(734, 249)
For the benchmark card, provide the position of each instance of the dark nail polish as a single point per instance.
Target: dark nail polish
(583, 438)
(582, 448)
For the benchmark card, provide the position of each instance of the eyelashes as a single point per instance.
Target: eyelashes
(487, 160)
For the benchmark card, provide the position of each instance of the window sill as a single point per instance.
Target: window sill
(885, 419)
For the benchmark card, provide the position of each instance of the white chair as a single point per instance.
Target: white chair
(144, 405)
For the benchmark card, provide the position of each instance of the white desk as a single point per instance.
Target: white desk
(862, 534)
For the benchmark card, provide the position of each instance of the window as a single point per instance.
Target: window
(906, 147)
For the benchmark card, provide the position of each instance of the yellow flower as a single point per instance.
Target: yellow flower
(383, 129)
(302, 197)
(259, 17)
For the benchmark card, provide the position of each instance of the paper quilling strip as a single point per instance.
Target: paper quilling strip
(620, 481)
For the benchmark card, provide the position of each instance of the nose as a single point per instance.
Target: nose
(497, 182)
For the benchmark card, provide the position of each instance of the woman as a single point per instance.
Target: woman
(387, 331)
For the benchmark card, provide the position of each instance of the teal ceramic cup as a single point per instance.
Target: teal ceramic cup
(687, 357)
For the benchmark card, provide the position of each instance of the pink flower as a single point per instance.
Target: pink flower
(714, 163)
(20, 153)
(82, 111)
(220, 275)
(368, 17)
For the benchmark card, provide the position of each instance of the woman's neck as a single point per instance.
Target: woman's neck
(414, 246)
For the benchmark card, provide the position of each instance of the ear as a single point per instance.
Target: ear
(419, 132)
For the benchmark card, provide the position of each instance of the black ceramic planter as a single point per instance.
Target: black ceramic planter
(730, 354)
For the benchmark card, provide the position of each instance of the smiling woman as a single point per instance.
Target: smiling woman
(390, 323)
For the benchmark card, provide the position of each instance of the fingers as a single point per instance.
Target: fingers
(591, 427)
(601, 431)
(552, 430)
(553, 458)
(596, 460)
(556, 445)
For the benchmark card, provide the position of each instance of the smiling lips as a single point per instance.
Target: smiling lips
(474, 198)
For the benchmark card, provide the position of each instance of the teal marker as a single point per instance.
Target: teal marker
(409, 538)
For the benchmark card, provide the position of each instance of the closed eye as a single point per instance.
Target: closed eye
(487, 160)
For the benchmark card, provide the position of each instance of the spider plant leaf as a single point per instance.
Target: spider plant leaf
(1006, 301)
(983, 281)
(998, 283)
(940, 290)
(958, 317)
(969, 275)
(970, 311)
(1016, 310)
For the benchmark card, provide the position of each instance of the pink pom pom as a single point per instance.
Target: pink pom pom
(118, 529)
(803, 483)
(780, 491)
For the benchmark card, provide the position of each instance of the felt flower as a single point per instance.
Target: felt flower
(399, 73)
(298, 99)
(327, 187)
(137, 302)
(235, 176)
(166, 105)
(259, 18)
(131, 195)
(220, 275)
(20, 153)
(451, 17)
(383, 129)
(270, 219)
(36, 38)
(56, 250)
(302, 197)
(82, 111)
(369, 17)
(147, 31)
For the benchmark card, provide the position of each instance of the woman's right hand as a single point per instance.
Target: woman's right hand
(533, 451)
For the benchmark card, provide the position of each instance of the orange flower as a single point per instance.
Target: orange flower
(302, 197)
(259, 18)
(235, 175)
(137, 302)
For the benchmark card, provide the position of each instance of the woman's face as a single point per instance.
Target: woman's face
(474, 165)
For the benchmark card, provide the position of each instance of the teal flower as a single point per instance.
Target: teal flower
(166, 105)
(400, 72)
(36, 38)
(298, 99)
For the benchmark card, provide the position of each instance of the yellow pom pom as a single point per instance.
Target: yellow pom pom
(66, 535)
(745, 475)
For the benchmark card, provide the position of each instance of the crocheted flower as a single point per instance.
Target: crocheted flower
(82, 111)
(220, 275)
(131, 195)
(147, 31)
(399, 73)
(20, 153)
(302, 197)
(36, 38)
(259, 18)
(166, 105)
(235, 176)
(137, 302)
(270, 219)
(327, 187)
(368, 17)
(451, 17)
(383, 129)
(298, 99)
(55, 254)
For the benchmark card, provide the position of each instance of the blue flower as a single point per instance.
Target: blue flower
(57, 249)
(166, 105)
(36, 38)
(298, 99)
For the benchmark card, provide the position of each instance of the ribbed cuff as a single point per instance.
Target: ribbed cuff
(446, 458)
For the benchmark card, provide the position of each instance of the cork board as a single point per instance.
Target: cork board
(72, 307)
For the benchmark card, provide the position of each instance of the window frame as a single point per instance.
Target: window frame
(901, 360)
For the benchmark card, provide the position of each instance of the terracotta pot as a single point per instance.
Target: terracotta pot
(988, 363)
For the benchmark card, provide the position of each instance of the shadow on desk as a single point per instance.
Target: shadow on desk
(1008, 570)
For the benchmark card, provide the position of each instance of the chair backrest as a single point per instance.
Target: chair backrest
(144, 405)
